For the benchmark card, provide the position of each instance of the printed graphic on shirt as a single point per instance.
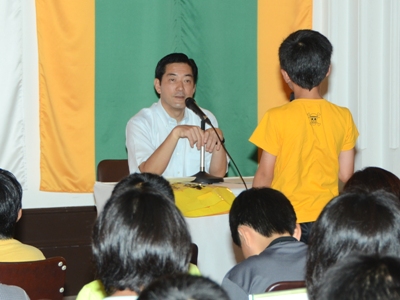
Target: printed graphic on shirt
(314, 117)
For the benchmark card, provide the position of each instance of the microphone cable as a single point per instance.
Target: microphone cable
(230, 157)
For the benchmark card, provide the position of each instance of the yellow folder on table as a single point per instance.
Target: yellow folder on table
(197, 200)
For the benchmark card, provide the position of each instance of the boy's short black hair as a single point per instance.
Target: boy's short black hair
(306, 56)
(183, 287)
(10, 203)
(364, 277)
(175, 58)
(265, 210)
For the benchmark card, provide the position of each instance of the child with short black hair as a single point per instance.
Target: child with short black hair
(308, 144)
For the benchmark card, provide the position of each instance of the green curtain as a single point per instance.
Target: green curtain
(220, 35)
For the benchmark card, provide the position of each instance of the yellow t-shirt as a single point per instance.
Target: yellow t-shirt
(12, 250)
(306, 136)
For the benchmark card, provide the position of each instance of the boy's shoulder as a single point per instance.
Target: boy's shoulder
(300, 104)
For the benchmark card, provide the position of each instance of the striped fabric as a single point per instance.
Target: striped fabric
(96, 69)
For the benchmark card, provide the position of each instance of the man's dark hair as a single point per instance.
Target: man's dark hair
(175, 58)
(372, 179)
(183, 287)
(145, 182)
(362, 277)
(349, 223)
(265, 210)
(10, 203)
(306, 56)
(138, 237)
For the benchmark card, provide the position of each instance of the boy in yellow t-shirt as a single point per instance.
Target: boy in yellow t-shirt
(308, 144)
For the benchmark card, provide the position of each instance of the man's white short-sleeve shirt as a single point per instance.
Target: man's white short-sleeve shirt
(148, 129)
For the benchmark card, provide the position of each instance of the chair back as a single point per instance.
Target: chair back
(195, 253)
(112, 170)
(42, 279)
(286, 285)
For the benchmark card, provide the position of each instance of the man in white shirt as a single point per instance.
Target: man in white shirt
(166, 138)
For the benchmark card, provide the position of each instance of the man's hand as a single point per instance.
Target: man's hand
(211, 140)
(193, 133)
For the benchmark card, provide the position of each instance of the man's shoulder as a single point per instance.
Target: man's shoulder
(146, 111)
(277, 255)
(145, 115)
(281, 262)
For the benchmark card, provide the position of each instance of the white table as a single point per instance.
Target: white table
(217, 253)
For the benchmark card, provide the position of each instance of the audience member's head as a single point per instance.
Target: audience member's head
(144, 182)
(362, 277)
(10, 203)
(183, 287)
(175, 58)
(372, 179)
(138, 237)
(353, 222)
(305, 56)
(260, 212)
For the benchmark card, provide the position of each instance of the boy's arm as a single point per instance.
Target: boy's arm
(265, 171)
(346, 165)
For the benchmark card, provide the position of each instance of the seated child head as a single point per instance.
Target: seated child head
(138, 237)
(362, 277)
(372, 179)
(10, 203)
(264, 210)
(145, 182)
(183, 287)
(349, 223)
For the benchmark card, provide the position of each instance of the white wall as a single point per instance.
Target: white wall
(365, 77)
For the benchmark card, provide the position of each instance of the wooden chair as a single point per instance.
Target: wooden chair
(112, 170)
(42, 279)
(195, 253)
(286, 285)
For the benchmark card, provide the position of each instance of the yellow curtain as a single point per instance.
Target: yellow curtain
(66, 87)
(276, 20)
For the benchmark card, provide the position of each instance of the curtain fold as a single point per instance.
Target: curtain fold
(234, 44)
(12, 125)
(66, 87)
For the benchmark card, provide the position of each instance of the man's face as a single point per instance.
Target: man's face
(176, 85)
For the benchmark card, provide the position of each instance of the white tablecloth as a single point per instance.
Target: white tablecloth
(217, 253)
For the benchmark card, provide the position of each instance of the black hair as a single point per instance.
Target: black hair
(10, 203)
(138, 237)
(265, 210)
(306, 56)
(362, 277)
(175, 58)
(349, 223)
(145, 182)
(371, 179)
(183, 287)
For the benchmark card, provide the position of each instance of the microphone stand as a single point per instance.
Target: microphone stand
(202, 176)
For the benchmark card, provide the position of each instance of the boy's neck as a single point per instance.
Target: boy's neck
(301, 93)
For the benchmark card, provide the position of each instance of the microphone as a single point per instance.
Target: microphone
(192, 105)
